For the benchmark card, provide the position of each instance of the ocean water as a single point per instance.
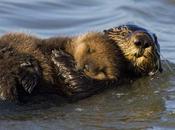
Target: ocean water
(147, 104)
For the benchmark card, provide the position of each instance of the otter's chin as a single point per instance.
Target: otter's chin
(144, 65)
(151, 73)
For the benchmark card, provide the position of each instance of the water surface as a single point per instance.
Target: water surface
(147, 104)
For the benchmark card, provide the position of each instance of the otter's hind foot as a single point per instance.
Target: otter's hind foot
(29, 75)
(19, 75)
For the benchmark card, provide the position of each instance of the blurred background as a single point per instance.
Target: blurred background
(147, 104)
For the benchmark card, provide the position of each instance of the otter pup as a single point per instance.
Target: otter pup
(30, 64)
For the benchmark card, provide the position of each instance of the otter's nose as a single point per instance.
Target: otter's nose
(137, 42)
(90, 67)
(141, 43)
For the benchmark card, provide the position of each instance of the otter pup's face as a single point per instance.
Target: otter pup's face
(139, 47)
(95, 57)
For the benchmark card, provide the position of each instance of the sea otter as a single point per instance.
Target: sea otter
(138, 53)
(79, 66)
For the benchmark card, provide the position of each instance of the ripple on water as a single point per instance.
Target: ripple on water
(146, 104)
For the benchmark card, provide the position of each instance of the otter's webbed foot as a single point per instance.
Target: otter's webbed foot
(76, 84)
(19, 75)
(29, 74)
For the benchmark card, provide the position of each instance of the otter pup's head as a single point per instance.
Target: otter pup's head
(139, 47)
(96, 57)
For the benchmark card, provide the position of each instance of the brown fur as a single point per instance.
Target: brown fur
(15, 69)
(94, 53)
(112, 55)
(91, 52)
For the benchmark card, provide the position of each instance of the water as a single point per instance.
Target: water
(148, 104)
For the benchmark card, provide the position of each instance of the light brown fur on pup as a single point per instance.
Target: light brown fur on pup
(91, 51)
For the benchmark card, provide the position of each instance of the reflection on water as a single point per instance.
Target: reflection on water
(146, 104)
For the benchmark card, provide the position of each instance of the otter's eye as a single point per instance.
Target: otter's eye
(146, 44)
(90, 50)
(138, 43)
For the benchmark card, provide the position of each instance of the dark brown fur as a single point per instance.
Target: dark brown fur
(140, 49)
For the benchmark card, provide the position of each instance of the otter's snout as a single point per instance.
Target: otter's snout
(141, 43)
(94, 71)
(89, 67)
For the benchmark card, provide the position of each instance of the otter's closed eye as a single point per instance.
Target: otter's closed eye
(86, 67)
(90, 50)
(146, 45)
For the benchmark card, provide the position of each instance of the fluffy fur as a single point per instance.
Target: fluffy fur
(93, 55)
(79, 66)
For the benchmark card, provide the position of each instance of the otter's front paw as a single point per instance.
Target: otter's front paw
(76, 85)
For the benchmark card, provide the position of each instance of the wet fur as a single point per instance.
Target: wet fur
(92, 49)
(79, 66)
(141, 59)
